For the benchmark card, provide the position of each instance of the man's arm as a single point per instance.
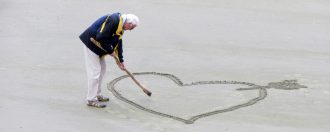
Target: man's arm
(119, 54)
(120, 51)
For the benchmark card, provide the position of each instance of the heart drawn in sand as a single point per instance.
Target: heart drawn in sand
(287, 84)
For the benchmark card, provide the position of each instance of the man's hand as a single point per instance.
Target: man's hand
(122, 66)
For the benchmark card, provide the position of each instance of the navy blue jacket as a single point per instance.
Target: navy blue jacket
(108, 31)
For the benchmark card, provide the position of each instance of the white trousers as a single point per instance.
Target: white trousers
(95, 67)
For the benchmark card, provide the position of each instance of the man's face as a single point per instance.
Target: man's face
(128, 26)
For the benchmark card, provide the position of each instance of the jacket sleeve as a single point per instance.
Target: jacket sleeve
(105, 35)
(120, 50)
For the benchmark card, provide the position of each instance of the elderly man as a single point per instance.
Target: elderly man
(108, 31)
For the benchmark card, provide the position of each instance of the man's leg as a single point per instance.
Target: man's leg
(100, 97)
(93, 68)
(103, 70)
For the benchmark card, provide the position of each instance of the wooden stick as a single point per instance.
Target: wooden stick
(128, 73)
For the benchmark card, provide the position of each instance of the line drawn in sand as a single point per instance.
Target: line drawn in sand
(284, 85)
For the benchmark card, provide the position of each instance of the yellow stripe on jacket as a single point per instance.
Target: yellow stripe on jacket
(103, 24)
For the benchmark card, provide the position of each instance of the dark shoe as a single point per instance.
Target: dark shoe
(102, 98)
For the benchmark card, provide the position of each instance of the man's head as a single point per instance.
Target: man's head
(131, 22)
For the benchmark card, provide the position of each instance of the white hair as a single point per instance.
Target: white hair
(133, 19)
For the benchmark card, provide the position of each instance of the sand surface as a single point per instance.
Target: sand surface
(43, 79)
